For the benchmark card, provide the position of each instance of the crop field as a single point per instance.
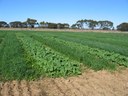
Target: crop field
(30, 55)
(33, 55)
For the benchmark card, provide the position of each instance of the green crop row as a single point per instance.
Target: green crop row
(76, 52)
(46, 61)
(84, 53)
(2, 35)
(12, 62)
(95, 40)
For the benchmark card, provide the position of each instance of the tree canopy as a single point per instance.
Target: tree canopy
(93, 24)
(105, 25)
(3, 24)
(123, 27)
(31, 22)
(16, 24)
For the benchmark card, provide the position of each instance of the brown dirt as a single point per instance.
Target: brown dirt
(90, 83)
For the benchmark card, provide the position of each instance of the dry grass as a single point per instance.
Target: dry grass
(63, 30)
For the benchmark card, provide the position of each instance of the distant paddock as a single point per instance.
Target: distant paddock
(64, 30)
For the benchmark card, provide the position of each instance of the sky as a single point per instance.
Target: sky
(64, 11)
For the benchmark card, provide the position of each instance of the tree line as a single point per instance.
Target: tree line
(93, 24)
(100, 25)
(80, 24)
(32, 23)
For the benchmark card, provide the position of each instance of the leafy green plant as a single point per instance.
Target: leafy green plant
(84, 54)
(31, 55)
(46, 61)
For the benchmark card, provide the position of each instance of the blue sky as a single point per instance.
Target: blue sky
(64, 11)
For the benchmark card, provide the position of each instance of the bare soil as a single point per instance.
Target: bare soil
(90, 83)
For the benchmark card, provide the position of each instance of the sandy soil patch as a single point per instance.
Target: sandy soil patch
(90, 83)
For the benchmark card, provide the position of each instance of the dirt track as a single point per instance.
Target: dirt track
(90, 83)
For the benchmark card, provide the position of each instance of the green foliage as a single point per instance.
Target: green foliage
(123, 27)
(12, 62)
(82, 52)
(107, 41)
(16, 24)
(46, 61)
(105, 25)
(74, 51)
(2, 35)
(91, 24)
(3, 24)
(31, 22)
(31, 55)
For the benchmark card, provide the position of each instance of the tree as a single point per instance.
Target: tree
(24, 24)
(16, 24)
(123, 27)
(80, 24)
(3, 24)
(31, 22)
(91, 24)
(105, 25)
(66, 25)
(44, 24)
(74, 26)
(52, 25)
(62, 26)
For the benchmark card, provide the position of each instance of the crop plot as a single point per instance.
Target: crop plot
(31, 55)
